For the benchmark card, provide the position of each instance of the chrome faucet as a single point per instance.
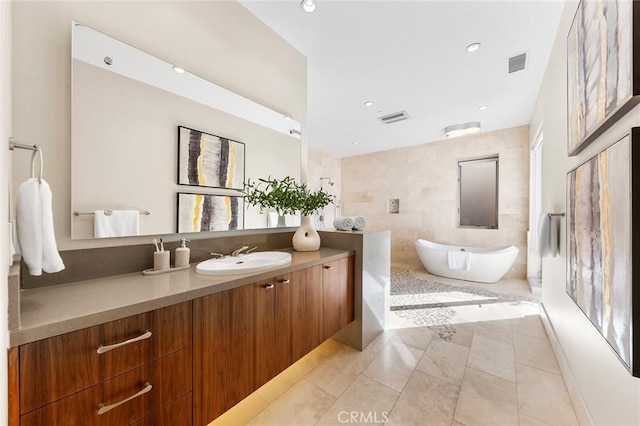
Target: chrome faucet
(238, 251)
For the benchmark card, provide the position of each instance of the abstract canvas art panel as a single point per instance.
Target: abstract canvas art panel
(205, 212)
(600, 235)
(210, 161)
(601, 57)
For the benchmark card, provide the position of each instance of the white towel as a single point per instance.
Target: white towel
(548, 235)
(358, 223)
(120, 223)
(459, 259)
(343, 223)
(51, 260)
(34, 225)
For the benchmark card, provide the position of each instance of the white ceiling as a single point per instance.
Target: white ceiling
(410, 55)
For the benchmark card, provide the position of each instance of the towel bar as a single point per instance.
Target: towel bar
(110, 212)
(13, 144)
(556, 214)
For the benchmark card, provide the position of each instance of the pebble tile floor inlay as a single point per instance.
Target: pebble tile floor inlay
(454, 353)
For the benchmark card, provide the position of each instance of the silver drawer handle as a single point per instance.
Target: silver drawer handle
(328, 267)
(285, 281)
(102, 349)
(267, 286)
(104, 408)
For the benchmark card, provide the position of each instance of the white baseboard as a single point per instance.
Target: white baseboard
(582, 413)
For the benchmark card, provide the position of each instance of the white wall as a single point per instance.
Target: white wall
(5, 166)
(220, 41)
(610, 393)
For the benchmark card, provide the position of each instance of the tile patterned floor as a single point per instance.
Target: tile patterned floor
(491, 365)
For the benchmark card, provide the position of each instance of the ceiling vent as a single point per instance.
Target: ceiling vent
(394, 118)
(517, 62)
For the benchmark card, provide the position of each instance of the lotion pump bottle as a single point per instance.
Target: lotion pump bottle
(182, 254)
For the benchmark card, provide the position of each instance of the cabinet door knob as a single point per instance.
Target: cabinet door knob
(267, 286)
(284, 281)
(102, 349)
(104, 408)
(328, 267)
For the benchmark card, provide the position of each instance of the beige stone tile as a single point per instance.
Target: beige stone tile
(418, 337)
(543, 396)
(242, 412)
(330, 379)
(338, 370)
(529, 325)
(498, 330)
(425, 398)
(461, 334)
(365, 402)
(493, 357)
(535, 352)
(486, 400)
(394, 364)
(530, 421)
(380, 341)
(303, 404)
(445, 360)
(454, 423)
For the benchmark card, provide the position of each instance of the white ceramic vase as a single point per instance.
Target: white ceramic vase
(306, 238)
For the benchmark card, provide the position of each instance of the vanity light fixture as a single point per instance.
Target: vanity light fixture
(462, 129)
(178, 69)
(308, 6)
(368, 103)
(473, 47)
(483, 107)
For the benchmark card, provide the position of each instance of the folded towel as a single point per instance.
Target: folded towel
(548, 235)
(358, 223)
(343, 223)
(120, 223)
(34, 226)
(459, 259)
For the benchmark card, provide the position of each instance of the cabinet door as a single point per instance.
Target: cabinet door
(128, 356)
(306, 303)
(337, 295)
(177, 413)
(271, 335)
(224, 351)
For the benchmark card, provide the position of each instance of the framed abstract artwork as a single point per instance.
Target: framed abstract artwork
(602, 238)
(603, 68)
(209, 161)
(206, 212)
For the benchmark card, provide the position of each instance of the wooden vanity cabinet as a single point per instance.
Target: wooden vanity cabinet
(64, 379)
(246, 336)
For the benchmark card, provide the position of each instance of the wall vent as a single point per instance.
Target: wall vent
(395, 117)
(517, 62)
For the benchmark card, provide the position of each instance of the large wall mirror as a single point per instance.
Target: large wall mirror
(127, 107)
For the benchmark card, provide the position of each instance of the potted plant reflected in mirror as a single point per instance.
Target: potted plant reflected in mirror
(273, 194)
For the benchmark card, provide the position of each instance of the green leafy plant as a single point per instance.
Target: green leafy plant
(285, 196)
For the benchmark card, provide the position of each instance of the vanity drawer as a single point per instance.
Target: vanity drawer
(53, 368)
(124, 399)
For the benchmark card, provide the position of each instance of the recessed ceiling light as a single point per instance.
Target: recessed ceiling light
(462, 129)
(178, 69)
(368, 103)
(286, 117)
(308, 6)
(483, 107)
(473, 47)
(355, 143)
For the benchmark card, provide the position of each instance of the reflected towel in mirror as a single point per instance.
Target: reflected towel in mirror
(120, 223)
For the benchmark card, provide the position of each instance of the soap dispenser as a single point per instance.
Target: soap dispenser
(182, 254)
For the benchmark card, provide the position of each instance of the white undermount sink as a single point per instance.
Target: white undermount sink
(244, 263)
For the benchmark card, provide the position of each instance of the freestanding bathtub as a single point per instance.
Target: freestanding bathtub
(486, 265)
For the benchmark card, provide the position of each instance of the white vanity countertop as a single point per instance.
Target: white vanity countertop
(55, 310)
